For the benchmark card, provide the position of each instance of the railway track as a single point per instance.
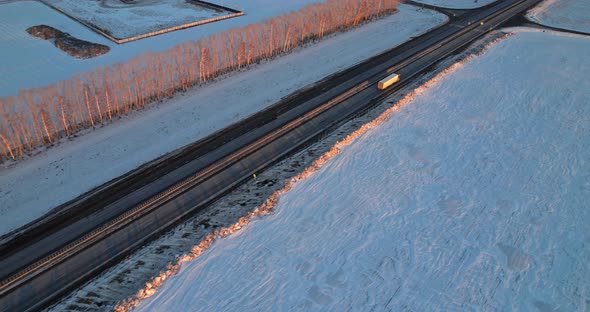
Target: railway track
(41, 263)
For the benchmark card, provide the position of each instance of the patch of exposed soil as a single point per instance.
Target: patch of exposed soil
(71, 45)
(44, 32)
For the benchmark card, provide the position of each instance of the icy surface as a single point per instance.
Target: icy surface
(72, 168)
(472, 197)
(457, 4)
(123, 20)
(27, 62)
(564, 14)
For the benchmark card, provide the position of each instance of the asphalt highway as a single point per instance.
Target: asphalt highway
(83, 237)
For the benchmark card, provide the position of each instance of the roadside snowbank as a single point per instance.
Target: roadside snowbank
(564, 14)
(470, 197)
(457, 4)
(61, 173)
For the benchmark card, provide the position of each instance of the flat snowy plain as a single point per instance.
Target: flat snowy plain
(473, 196)
(564, 14)
(72, 168)
(28, 62)
(457, 4)
(123, 20)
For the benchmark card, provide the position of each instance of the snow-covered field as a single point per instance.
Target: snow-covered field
(28, 62)
(70, 169)
(473, 196)
(457, 4)
(124, 20)
(564, 14)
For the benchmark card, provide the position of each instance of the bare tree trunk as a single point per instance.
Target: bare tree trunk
(45, 126)
(88, 106)
(8, 146)
(63, 117)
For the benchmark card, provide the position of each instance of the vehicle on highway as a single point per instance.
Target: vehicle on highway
(388, 81)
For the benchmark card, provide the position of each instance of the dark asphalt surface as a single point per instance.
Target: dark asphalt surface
(216, 164)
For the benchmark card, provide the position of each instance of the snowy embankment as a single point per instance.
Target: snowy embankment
(28, 62)
(61, 173)
(564, 14)
(456, 4)
(471, 196)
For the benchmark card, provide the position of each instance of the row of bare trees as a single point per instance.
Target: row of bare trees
(41, 116)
